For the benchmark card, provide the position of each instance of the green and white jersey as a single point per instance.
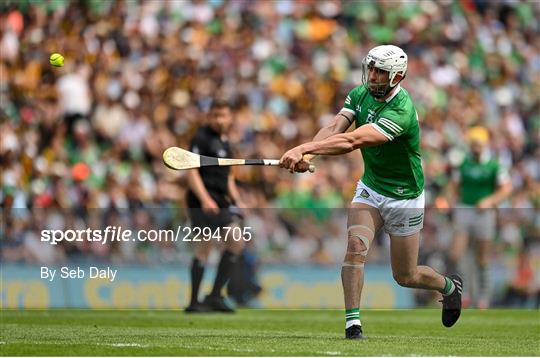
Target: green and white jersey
(392, 169)
(479, 179)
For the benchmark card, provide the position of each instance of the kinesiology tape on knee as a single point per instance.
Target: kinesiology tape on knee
(354, 259)
(362, 233)
(358, 258)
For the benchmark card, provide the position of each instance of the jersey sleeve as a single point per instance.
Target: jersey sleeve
(395, 122)
(351, 101)
(457, 172)
(503, 176)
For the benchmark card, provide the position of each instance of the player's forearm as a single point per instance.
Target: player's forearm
(322, 134)
(502, 193)
(196, 185)
(452, 193)
(233, 190)
(333, 145)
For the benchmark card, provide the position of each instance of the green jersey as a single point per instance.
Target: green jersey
(478, 179)
(392, 169)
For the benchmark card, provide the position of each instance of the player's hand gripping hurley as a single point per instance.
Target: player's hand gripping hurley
(181, 159)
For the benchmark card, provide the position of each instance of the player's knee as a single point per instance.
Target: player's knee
(357, 247)
(405, 279)
(358, 239)
(202, 253)
(354, 259)
(234, 246)
(203, 258)
(353, 244)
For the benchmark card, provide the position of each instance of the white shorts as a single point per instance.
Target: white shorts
(400, 217)
(478, 224)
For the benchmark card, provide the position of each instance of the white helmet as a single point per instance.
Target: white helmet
(388, 58)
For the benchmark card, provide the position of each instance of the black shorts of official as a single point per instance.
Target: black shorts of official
(201, 219)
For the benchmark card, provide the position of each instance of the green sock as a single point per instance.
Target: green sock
(449, 287)
(352, 317)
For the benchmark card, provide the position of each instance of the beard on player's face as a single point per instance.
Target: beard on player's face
(477, 148)
(378, 82)
(379, 89)
(220, 122)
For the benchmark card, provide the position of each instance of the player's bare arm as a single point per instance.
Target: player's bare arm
(451, 192)
(504, 190)
(341, 122)
(364, 136)
(233, 191)
(197, 186)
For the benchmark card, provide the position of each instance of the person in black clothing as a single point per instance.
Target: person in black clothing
(212, 191)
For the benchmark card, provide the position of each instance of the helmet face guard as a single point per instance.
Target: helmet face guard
(379, 89)
(387, 58)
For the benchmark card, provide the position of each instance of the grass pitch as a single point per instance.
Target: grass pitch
(267, 332)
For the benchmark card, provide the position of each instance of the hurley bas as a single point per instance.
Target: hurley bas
(91, 272)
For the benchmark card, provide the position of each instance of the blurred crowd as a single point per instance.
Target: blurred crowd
(140, 75)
